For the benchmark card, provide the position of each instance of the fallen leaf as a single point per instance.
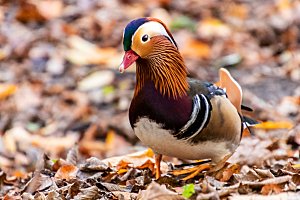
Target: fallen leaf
(158, 192)
(188, 190)
(96, 80)
(283, 195)
(88, 193)
(195, 49)
(38, 182)
(276, 180)
(228, 172)
(147, 165)
(270, 189)
(212, 27)
(7, 90)
(66, 172)
(20, 174)
(82, 52)
(28, 11)
(239, 11)
(50, 9)
(134, 160)
(275, 125)
(93, 164)
(122, 165)
(72, 156)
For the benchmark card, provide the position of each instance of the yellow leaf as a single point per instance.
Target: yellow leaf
(6, 90)
(275, 125)
(284, 4)
(122, 171)
(296, 166)
(110, 138)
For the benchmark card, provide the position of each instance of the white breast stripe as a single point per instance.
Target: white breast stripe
(197, 107)
(205, 116)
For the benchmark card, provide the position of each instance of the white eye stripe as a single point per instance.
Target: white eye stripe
(153, 28)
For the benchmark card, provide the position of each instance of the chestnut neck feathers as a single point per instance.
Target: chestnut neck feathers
(164, 66)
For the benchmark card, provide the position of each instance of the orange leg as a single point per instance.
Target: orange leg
(193, 171)
(158, 158)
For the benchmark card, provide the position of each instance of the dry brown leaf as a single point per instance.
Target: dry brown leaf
(38, 182)
(281, 196)
(122, 165)
(58, 163)
(264, 173)
(82, 52)
(72, 156)
(54, 144)
(195, 49)
(28, 11)
(88, 193)
(66, 172)
(74, 189)
(93, 164)
(212, 27)
(158, 192)
(124, 195)
(275, 125)
(270, 189)
(147, 165)
(134, 160)
(40, 11)
(276, 180)
(228, 172)
(296, 179)
(9, 197)
(92, 147)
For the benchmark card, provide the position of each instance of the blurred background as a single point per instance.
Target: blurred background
(60, 85)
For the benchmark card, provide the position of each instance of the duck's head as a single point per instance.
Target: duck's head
(140, 37)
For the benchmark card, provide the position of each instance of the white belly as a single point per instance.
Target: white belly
(161, 141)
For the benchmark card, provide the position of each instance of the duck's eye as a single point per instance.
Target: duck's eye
(145, 38)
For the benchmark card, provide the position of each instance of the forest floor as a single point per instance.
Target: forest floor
(64, 125)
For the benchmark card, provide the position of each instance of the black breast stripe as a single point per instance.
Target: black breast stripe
(199, 118)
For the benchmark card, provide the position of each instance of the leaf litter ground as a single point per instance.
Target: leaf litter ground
(63, 119)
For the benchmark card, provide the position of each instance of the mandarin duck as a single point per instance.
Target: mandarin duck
(172, 114)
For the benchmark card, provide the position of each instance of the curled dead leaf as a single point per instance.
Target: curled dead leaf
(38, 182)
